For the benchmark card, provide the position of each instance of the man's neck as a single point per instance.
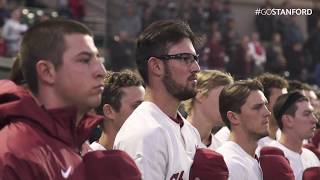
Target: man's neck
(168, 104)
(291, 142)
(107, 138)
(80, 115)
(273, 127)
(46, 98)
(199, 121)
(248, 144)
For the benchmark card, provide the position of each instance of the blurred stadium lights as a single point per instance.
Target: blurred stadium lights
(25, 11)
(40, 12)
(54, 14)
(30, 16)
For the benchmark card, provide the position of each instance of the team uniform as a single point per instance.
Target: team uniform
(214, 144)
(266, 141)
(223, 134)
(162, 148)
(241, 165)
(298, 162)
(95, 146)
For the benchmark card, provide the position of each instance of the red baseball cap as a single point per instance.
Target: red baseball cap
(208, 165)
(110, 164)
(312, 173)
(274, 164)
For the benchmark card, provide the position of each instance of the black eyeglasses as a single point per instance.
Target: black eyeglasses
(186, 57)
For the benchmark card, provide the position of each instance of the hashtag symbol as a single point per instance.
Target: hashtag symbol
(257, 12)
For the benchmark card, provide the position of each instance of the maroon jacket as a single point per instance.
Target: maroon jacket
(39, 144)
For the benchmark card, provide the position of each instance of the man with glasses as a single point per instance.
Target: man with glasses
(155, 135)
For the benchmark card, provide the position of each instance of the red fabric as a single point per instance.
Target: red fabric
(178, 120)
(77, 8)
(216, 56)
(274, 164)
(312, 173)
(268, 150)
(36, 143)
(316, 139)
(110, 164)
(208, 165)
(258, 48)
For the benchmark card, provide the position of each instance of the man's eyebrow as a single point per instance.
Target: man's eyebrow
(84, 53)
(260, 104)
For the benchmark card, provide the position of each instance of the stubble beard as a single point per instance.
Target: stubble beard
(178, 91)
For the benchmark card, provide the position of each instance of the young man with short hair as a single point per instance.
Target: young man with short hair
(203, 109)
(42, 130)
(243, 108)
(294, 115)
(155, 135)
(123, 92)
(273, 86)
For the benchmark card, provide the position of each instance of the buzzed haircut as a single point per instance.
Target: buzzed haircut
(156, 39)
(113, 83)
(286, 104)
(46, 41)
(234, 96)
(16, 74)
(270, 81)
(208, 80)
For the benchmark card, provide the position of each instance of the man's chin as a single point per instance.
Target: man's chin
(262, 135)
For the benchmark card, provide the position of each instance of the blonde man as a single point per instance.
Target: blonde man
(203, 109)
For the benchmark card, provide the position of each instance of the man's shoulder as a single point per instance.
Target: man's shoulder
(22, 144)
(228, 147)
(146, 120)
(143, 131)
(24, 140)
(18, 134)
(309, 155)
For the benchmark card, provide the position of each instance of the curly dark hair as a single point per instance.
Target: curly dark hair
(113, 83)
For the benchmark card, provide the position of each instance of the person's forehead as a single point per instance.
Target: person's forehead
(311, 95)
(255, 97)
(80, 42)
(304, 106)
(183, 46)
(133, 92)
(278, 91)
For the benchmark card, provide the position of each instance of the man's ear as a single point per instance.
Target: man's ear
(108, 112)
(233, 118)
(155, 66)
(46, 71)
(287, 121)
(200, 96)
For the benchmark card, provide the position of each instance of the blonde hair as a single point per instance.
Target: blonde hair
(208, 80)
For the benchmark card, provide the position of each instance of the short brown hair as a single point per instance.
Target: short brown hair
(270, 81)
(232, 97)
(208, 80)
(113, 83)
(46, 41)
(287, 104)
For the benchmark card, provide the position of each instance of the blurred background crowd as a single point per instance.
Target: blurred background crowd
(234, 40)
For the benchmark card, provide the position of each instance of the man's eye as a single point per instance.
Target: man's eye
(187, 59)
(85, 60)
